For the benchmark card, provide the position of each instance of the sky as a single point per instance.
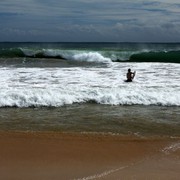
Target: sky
(90, 20)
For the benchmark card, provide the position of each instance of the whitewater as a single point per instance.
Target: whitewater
(59, 74)
(154, 84)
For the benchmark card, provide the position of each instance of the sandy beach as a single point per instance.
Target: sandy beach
(46, 155)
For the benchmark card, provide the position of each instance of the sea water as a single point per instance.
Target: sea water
(80, 87)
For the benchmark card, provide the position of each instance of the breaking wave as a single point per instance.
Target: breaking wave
(57, 98)
(172, 56)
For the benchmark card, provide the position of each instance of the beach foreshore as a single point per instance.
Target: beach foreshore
(83, 156)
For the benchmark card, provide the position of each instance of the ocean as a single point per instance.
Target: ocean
(80, 87)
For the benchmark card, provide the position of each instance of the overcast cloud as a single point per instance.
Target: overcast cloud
(94, 20)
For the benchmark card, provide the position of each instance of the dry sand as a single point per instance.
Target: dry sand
(60, 156)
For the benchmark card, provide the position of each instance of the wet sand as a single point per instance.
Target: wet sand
(55, 156)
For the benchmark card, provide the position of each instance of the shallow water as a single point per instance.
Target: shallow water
(127, 120)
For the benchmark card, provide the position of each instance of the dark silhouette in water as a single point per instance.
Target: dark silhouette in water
(130, 75)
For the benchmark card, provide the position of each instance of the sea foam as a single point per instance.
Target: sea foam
(154, 84)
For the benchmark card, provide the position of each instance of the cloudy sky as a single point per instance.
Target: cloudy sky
(90, 20)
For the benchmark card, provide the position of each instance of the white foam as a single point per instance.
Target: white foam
(103, 174)
(86, 56)
(77, 55)
(171, 148)
(154, 84)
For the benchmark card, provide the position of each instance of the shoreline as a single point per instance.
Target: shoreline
(54, 155)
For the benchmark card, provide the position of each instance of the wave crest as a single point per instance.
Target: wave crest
(94, 56)
(35, 97)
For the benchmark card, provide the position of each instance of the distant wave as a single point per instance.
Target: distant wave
(94, 56)
(170, 56)
(19, 52)
(74, 55)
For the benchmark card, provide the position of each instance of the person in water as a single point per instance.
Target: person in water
(130, 75)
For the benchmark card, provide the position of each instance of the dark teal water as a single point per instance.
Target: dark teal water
(133, 52)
